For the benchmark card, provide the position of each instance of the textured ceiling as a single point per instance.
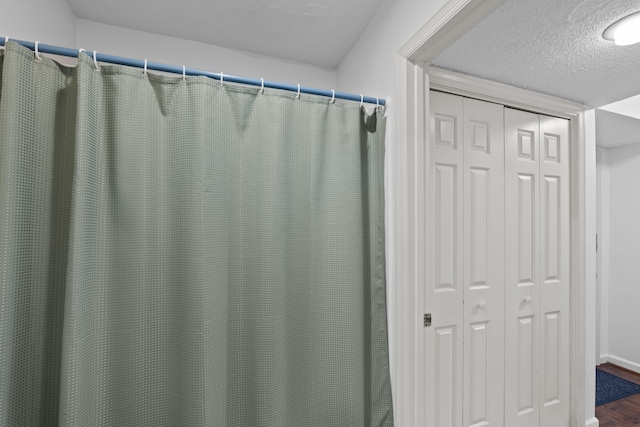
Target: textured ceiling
(318, 32)
(553, 47)
(556, 47)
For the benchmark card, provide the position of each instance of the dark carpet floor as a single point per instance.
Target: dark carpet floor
(610, 388)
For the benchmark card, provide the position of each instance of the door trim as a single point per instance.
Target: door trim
(414, 77)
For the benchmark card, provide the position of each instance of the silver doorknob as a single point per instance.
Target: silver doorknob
(527, 299)
(481, 304)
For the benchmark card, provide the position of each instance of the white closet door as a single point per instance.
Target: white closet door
(445, 290)
(538, 270)
(554, 291)
(466, 287)
(497, 351)
(522, 245)
(483, 323)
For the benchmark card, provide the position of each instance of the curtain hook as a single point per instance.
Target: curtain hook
(298, 94)
(221, 79)
(377, 103)
(38, 57)
(80, 51)
(262, 86)
(184, 73)
(333, 96)
(361, 100)
(145, 67)
(6, 40)
(95, 60)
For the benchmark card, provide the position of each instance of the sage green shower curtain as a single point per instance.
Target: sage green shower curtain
(180, 253)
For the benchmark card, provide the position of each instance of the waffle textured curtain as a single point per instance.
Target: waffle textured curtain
(181, 253)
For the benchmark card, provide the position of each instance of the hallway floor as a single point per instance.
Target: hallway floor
(624, 412)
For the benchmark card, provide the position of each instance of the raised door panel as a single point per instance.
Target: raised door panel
(478, 207)
(478, 380)
(555, 271)
(446, 373)
(446, 249)
(525, 359)
(522, 268)
(527, 215)
(483, 385)
(444, 292)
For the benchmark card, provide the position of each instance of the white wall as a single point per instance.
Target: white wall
(170, 50)
(624, 256)
(602, 263)
(53, 22)
(369, 68)
(47, 21)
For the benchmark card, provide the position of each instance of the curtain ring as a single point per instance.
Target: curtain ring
(221, 79)
(184, 73)
(361, 100)
(80, 51)
(333, 96)
(145, 67)
(262, 86)
(377, 103)
(298, 94)
(95, 60)
(6, 40)
(37, 52)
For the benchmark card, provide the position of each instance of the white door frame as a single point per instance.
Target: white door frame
(414, 78)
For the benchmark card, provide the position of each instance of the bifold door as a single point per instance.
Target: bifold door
(465, 345)
(537, 270)
(497, 350)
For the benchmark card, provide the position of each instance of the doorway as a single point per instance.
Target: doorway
(618, 159)
(415, 77)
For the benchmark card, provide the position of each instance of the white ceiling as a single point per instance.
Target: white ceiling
(318, 32)
(555, 47)
(615, 130)
(628, 107)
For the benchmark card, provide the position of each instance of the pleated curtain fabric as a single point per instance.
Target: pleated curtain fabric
(185, 253)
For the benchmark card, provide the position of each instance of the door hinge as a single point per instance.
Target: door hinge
(427, 320)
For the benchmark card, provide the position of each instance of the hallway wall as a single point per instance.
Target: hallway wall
(620, 335)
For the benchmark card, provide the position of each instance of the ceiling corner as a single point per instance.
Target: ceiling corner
(71, 4)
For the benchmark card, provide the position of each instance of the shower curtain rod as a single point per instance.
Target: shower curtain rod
(139, 63)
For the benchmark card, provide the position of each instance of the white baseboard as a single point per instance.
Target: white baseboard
(593, 422)
(628, 364)
(604, 358)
